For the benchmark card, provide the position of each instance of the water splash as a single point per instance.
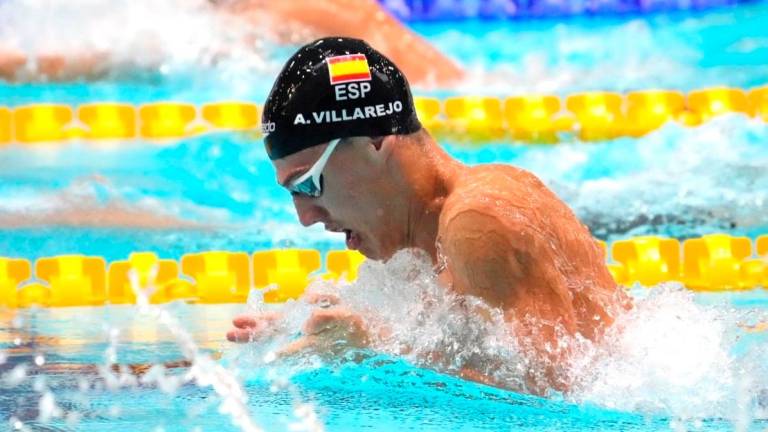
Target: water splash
(582, 55)
(674, 184)
(128, 36)
(668, 357)
(671, 355)
(204, 370)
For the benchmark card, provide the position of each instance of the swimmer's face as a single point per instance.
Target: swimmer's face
(354, 196)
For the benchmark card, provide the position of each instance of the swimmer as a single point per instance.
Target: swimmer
(344, 138)
(297, 21)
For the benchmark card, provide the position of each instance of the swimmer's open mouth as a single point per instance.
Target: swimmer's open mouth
(352, 238)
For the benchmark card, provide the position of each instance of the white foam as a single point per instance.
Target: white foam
(668, 356)
(160, 35)
(713, 172)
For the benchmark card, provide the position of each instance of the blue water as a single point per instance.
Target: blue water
(676, 50)
(380, 393)
(440, 10)
(218, 192)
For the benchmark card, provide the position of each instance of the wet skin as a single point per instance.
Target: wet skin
(493, 231)
(283, 21)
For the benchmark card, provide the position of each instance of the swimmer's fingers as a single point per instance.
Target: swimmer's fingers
(255, 321)
(244, 335)
(337, 326)
(322, 299)
(239, 335)
(249, 328)
(303, 344)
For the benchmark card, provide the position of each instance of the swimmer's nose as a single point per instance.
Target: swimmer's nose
(309, 213)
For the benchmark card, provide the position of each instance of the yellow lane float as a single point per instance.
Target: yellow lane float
(145, 271)
(288, 270)
(598, 115)
(475, 118)
(164, 120)
(73, 280)
(762, 246)
(108, 120)
(534, 118)
(712, 102)
(42, 122)
(714, 262)
(218, 276)
(618, 272)
(12, 273)
(232, 115)
(343, 264)
(758, 101)
(648, 260)
(5, 125)
(428, 111)
(650, 109)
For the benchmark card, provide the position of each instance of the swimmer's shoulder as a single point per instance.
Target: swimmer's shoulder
(489, 193)
(505, 196)
(494, 185)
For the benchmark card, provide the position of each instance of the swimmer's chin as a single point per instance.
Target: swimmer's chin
(409, 253)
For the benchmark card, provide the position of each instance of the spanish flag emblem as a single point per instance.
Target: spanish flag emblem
(348, 68)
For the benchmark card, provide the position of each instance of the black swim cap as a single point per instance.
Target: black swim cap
(336, 88)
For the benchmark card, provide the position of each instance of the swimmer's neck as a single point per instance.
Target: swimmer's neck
(426, 183)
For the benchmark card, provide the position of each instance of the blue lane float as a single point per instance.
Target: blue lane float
(435, 10)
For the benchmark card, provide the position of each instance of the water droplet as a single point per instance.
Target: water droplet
(82, 385)
(286, 244)
(39, 360)
(17, 322)
(114, 411)
(48, 408)
(39, 384)
(16, 375)
(73, 418)
(270, 357)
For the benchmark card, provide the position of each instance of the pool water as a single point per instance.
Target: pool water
(685, 364)
(654, 380)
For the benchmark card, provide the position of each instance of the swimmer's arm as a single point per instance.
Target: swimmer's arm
(11, 61)
(483, 255)
(490, 257)
(16, 65)
(362, 19)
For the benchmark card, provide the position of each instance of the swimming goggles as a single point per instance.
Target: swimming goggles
(311, 182)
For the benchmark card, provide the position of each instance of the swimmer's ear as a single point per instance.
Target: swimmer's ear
(384, 141)
(377, 142)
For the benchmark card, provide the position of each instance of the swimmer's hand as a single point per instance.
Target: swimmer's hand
(252, 328)
(330, 331)
(329, 328)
